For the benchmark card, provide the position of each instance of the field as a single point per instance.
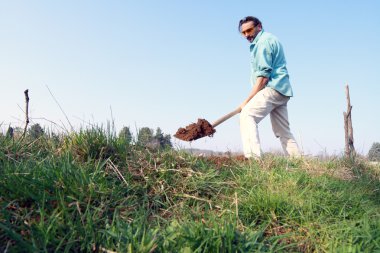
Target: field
(90, 191)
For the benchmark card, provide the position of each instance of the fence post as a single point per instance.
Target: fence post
(348, 132)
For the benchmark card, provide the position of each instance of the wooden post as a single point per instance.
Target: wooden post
(348, 132)
(26, 112)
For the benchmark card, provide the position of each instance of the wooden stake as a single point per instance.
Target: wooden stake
(26, 112)
(348, 131)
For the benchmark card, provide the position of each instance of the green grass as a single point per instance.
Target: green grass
(90, 191)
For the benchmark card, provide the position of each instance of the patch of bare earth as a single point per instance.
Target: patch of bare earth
(225, 161)
(341, 172)
(298, 237)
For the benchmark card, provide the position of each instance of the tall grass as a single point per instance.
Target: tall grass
(91, 191)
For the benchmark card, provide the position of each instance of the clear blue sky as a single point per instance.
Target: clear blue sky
(167, 63)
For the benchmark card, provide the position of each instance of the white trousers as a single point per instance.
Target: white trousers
(267, 101)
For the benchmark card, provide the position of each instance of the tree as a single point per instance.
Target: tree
(167, 140)
(10, 132)
(125, 134)
(144, 136)
(163, 140)
(147, 138)
(374, 152)
(36, 131)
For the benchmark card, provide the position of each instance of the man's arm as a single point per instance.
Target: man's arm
(261, 81)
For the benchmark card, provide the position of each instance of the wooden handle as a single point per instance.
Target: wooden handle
(226, 117)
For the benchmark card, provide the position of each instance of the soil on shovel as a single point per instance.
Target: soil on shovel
(195, 131)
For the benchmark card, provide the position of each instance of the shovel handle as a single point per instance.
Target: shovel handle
(226, 117)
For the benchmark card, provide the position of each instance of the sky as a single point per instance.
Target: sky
(167, 63)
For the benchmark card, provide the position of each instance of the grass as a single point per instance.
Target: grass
(92, 192)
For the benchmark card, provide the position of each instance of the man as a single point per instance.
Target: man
(270, 93)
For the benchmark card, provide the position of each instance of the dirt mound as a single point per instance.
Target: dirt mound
(195, 131)
(223, 161)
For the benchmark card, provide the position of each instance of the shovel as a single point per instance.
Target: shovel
(202, 128)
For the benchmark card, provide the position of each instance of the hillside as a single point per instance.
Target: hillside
(93, 192)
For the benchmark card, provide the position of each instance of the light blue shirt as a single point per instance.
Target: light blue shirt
(268, 60)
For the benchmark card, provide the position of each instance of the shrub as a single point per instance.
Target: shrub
(36, 131)
(374, 152)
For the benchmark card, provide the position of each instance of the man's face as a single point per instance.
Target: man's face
(249, 31)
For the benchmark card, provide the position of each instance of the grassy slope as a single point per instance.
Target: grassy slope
(91, 191)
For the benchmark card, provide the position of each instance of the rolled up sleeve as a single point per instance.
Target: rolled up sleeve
(264, 61)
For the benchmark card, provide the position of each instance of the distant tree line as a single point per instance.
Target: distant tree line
(35, 131)
(146, 137)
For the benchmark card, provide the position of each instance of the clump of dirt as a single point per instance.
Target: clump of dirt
(195, 131)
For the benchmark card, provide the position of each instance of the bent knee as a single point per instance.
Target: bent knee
(245, 116)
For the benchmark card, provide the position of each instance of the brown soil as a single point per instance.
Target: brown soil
(195, 131)
(225, 161)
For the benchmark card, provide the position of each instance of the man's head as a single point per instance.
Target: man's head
(249, 27)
